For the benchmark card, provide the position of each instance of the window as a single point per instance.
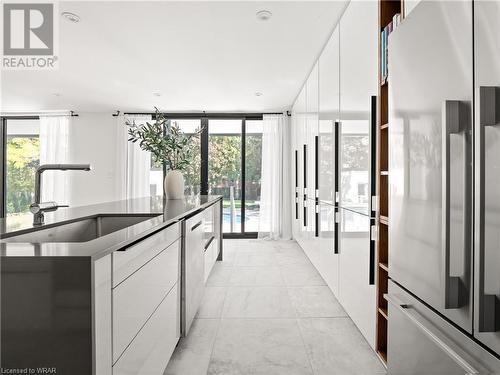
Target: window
(22, 159)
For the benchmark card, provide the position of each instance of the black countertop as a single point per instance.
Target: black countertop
(169, 211)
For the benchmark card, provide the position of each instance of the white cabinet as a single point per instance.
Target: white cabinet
(335, 105)
(135, 299)
(358, 83)
(329, 113)
(193, 269)
(357, 295)
(212, 237)
(150, 351)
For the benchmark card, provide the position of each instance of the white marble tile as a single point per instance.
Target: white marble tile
(301, 275)
(256, 276)
(259, 347)
(255, 258)
(258, 302)
(192, 354)
(212, 303)
(315, 302)
(288, 256)
(220, 275)
(336, 347)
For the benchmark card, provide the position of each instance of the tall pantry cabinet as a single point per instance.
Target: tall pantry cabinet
(332, 120)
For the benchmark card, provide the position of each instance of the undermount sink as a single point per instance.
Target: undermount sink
(83, 230)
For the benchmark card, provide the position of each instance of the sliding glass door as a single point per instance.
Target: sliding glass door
(234, 171)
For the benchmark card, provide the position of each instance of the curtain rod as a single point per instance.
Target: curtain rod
(14, 115)
(203, 114)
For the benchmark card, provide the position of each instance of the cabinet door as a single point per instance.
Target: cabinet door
(358, 83)
(295, 167)
(328, 261)
(194, 269)
(356, 294)
(329, 106)
(312, 105)
(302, 164)
(487, 219)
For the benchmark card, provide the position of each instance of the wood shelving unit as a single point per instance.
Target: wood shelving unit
(387, 10)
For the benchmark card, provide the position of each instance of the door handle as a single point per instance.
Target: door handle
(419, 322)
(305, 187)
(336, 229)
(371, 271)
(296, 184)
(373, 151)
(316, 186)
(456, 121)
(489, 115)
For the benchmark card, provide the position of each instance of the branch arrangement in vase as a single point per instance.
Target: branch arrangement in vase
(168, 145)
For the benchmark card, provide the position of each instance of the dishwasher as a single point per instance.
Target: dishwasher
(193, 270)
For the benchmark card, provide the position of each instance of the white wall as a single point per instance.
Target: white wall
(93, 140)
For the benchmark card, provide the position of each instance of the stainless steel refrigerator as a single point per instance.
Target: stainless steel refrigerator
(444, 208)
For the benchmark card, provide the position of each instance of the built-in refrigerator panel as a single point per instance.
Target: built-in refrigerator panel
(430, 98)
(421, 342)
(487, 169)
(329, 107)
(299, 131)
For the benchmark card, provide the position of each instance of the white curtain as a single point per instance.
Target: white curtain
(54, 149)
(133, 163)
(275, 205)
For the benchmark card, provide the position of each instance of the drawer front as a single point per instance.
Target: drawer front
(137, 297)
(421, 342)
(132, 258)
(152, 348)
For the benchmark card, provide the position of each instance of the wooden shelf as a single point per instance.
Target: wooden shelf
(387, 10)
(383, 312)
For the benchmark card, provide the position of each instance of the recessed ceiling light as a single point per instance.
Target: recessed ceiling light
(263, 15)
(72, 17)
(156, 94)
(258, 94)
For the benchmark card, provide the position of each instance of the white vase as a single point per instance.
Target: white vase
(174, 185)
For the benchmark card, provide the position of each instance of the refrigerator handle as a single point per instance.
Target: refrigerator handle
(420, 323)
(316, 186)
(489, 115)
(305, 187)
(456, 121)
(373, 238)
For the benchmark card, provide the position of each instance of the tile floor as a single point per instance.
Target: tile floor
(266, 310)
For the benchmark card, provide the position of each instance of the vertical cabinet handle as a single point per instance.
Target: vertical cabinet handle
(456, 121)
(373, 237)
(296, 184)
(373, 151)
(489, 115)
(336, 186)
(316, 185)
(305, 186)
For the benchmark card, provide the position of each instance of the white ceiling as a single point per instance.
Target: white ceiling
(210, 56)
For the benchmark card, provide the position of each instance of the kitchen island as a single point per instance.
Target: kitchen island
(105, 289)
